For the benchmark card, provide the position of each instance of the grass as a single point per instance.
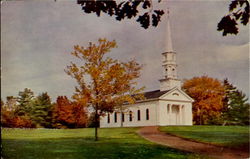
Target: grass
(229, 136)
(115, 143)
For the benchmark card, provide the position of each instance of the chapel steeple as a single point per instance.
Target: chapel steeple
(169, 64)
(169, 47)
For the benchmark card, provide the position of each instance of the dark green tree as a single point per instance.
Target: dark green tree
(238, 13)
(236, 110)
(41, 110)
(25, 102)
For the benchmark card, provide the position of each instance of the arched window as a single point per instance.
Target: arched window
(123, 117)
(115, 116)
(108, 118)
(147, 114)
(130, 115)
(138, 115)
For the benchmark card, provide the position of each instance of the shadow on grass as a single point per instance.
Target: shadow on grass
(87, 148)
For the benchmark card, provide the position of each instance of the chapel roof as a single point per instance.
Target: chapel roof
(149, 95)
(154, 94)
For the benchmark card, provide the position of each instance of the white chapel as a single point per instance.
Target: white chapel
(167, 106)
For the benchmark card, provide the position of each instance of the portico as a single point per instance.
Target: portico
(175, 113)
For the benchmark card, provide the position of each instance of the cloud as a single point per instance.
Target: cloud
(233, 53)
(37, 38)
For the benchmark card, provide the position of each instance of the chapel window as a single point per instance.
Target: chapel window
(147, 114)
(130, 115)
(123, 117)
(138, 115)
(108, 118)
(115, 116)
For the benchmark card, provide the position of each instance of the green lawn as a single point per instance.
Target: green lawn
(230, 136)
(115, 143)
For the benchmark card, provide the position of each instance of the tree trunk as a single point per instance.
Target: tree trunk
(224, 123)
(96, 125)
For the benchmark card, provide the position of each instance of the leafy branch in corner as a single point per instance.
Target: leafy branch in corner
(124, 10)
(238, 13)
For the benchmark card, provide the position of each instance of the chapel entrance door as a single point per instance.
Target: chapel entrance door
(175, 115)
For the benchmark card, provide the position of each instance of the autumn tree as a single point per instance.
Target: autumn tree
(103, 83)
(80, 114)
(208, 94)
(236, 107)
(69, 114)
(41, 110)
(9, 117)
(238, 13)
(8, 112)
(11, 120)
(62, 114)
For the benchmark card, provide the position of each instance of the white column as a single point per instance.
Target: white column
(184, 115)
(168, 107)
(170, 114)
(180, 113)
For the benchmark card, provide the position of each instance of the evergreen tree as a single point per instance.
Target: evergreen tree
(25, 102)
(41, 112)
(236, 109)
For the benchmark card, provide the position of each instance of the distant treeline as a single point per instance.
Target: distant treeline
(28, 111)
(215, 103)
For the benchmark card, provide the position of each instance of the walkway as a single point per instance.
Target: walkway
(154, 135)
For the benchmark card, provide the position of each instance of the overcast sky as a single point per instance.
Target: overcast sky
(37, 38)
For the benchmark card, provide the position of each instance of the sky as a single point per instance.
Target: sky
(37, 38)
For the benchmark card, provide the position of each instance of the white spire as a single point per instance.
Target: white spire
(169, 47)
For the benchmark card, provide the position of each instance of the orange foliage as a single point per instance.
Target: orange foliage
(23, 122)
(111, 83)
(208, 94)
(69, 114)
(7, 118)
(11, 120)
